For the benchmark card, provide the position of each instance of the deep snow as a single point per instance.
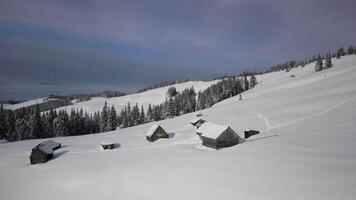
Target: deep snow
(27, 103)
(306, 150)
(153, 97)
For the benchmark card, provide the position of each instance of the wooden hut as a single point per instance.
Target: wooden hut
(156, 132)
(44, 151)
(197, 122)
(250, 133)
(218, 136)
(109, 145)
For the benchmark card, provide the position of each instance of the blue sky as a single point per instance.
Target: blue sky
(65, 46)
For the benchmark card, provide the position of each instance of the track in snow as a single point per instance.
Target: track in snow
(269, 126)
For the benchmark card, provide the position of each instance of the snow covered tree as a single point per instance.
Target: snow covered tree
(59, 127)
(21, 130)
(135, 115)
(48, 123)
(35, 123)
(171, 112)
(149, 116)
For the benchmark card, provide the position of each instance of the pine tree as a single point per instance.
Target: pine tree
(3, 129)
(253, 81)
(240, 97)
(11, 125)
(142, 115)
(104, 118)
(172, 92)
(246, 84)
(135, 115)
(340, 52)
(328, 63)
(351, 50)
(96, 122)
(319, 64)
(149, 116)
(113, 118)
(171, 112)
(59, 127)
(36, 123)
(20, 130)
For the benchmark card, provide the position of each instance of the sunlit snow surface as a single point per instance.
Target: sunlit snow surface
(306, 150)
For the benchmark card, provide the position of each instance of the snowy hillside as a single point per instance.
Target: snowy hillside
(306, 149)
(153, 97)
(27, 103)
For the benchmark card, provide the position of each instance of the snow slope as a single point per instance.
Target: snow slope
(27, 103)
(306, 150)
(153, 97)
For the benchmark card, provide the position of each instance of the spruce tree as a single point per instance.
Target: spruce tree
(113, 118)
(11, 125)
(3, 128)
(319, 64)
(246, 84)
(340, 52)
(36, 123)
(59, 127)
(253, 81)
(171, 112)
(142, 115)
(328, 63)
(104, 118)
(135, 115)
(351, 50)
(149, 116)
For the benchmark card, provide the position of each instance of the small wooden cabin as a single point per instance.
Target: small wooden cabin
(218, 136)
(109, 145)
(44, 151)
(156, 132)
(250, 133)
(197, 122)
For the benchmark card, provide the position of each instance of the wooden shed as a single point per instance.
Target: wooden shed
(197, 122)
(218, 136)
(44, 151)
(250, 133)
(156, 132)
(109, 145)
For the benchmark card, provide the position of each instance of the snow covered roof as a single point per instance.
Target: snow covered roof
(152, 130)
(49, 146)
(195, 120)
(211, 130)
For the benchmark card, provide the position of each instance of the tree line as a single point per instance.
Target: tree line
(30, 123)
(318, 59)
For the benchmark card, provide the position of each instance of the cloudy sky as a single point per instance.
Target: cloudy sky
(71, 46)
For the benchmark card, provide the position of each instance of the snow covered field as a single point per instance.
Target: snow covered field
(307, 149)
(153, 97)
(27, 103)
